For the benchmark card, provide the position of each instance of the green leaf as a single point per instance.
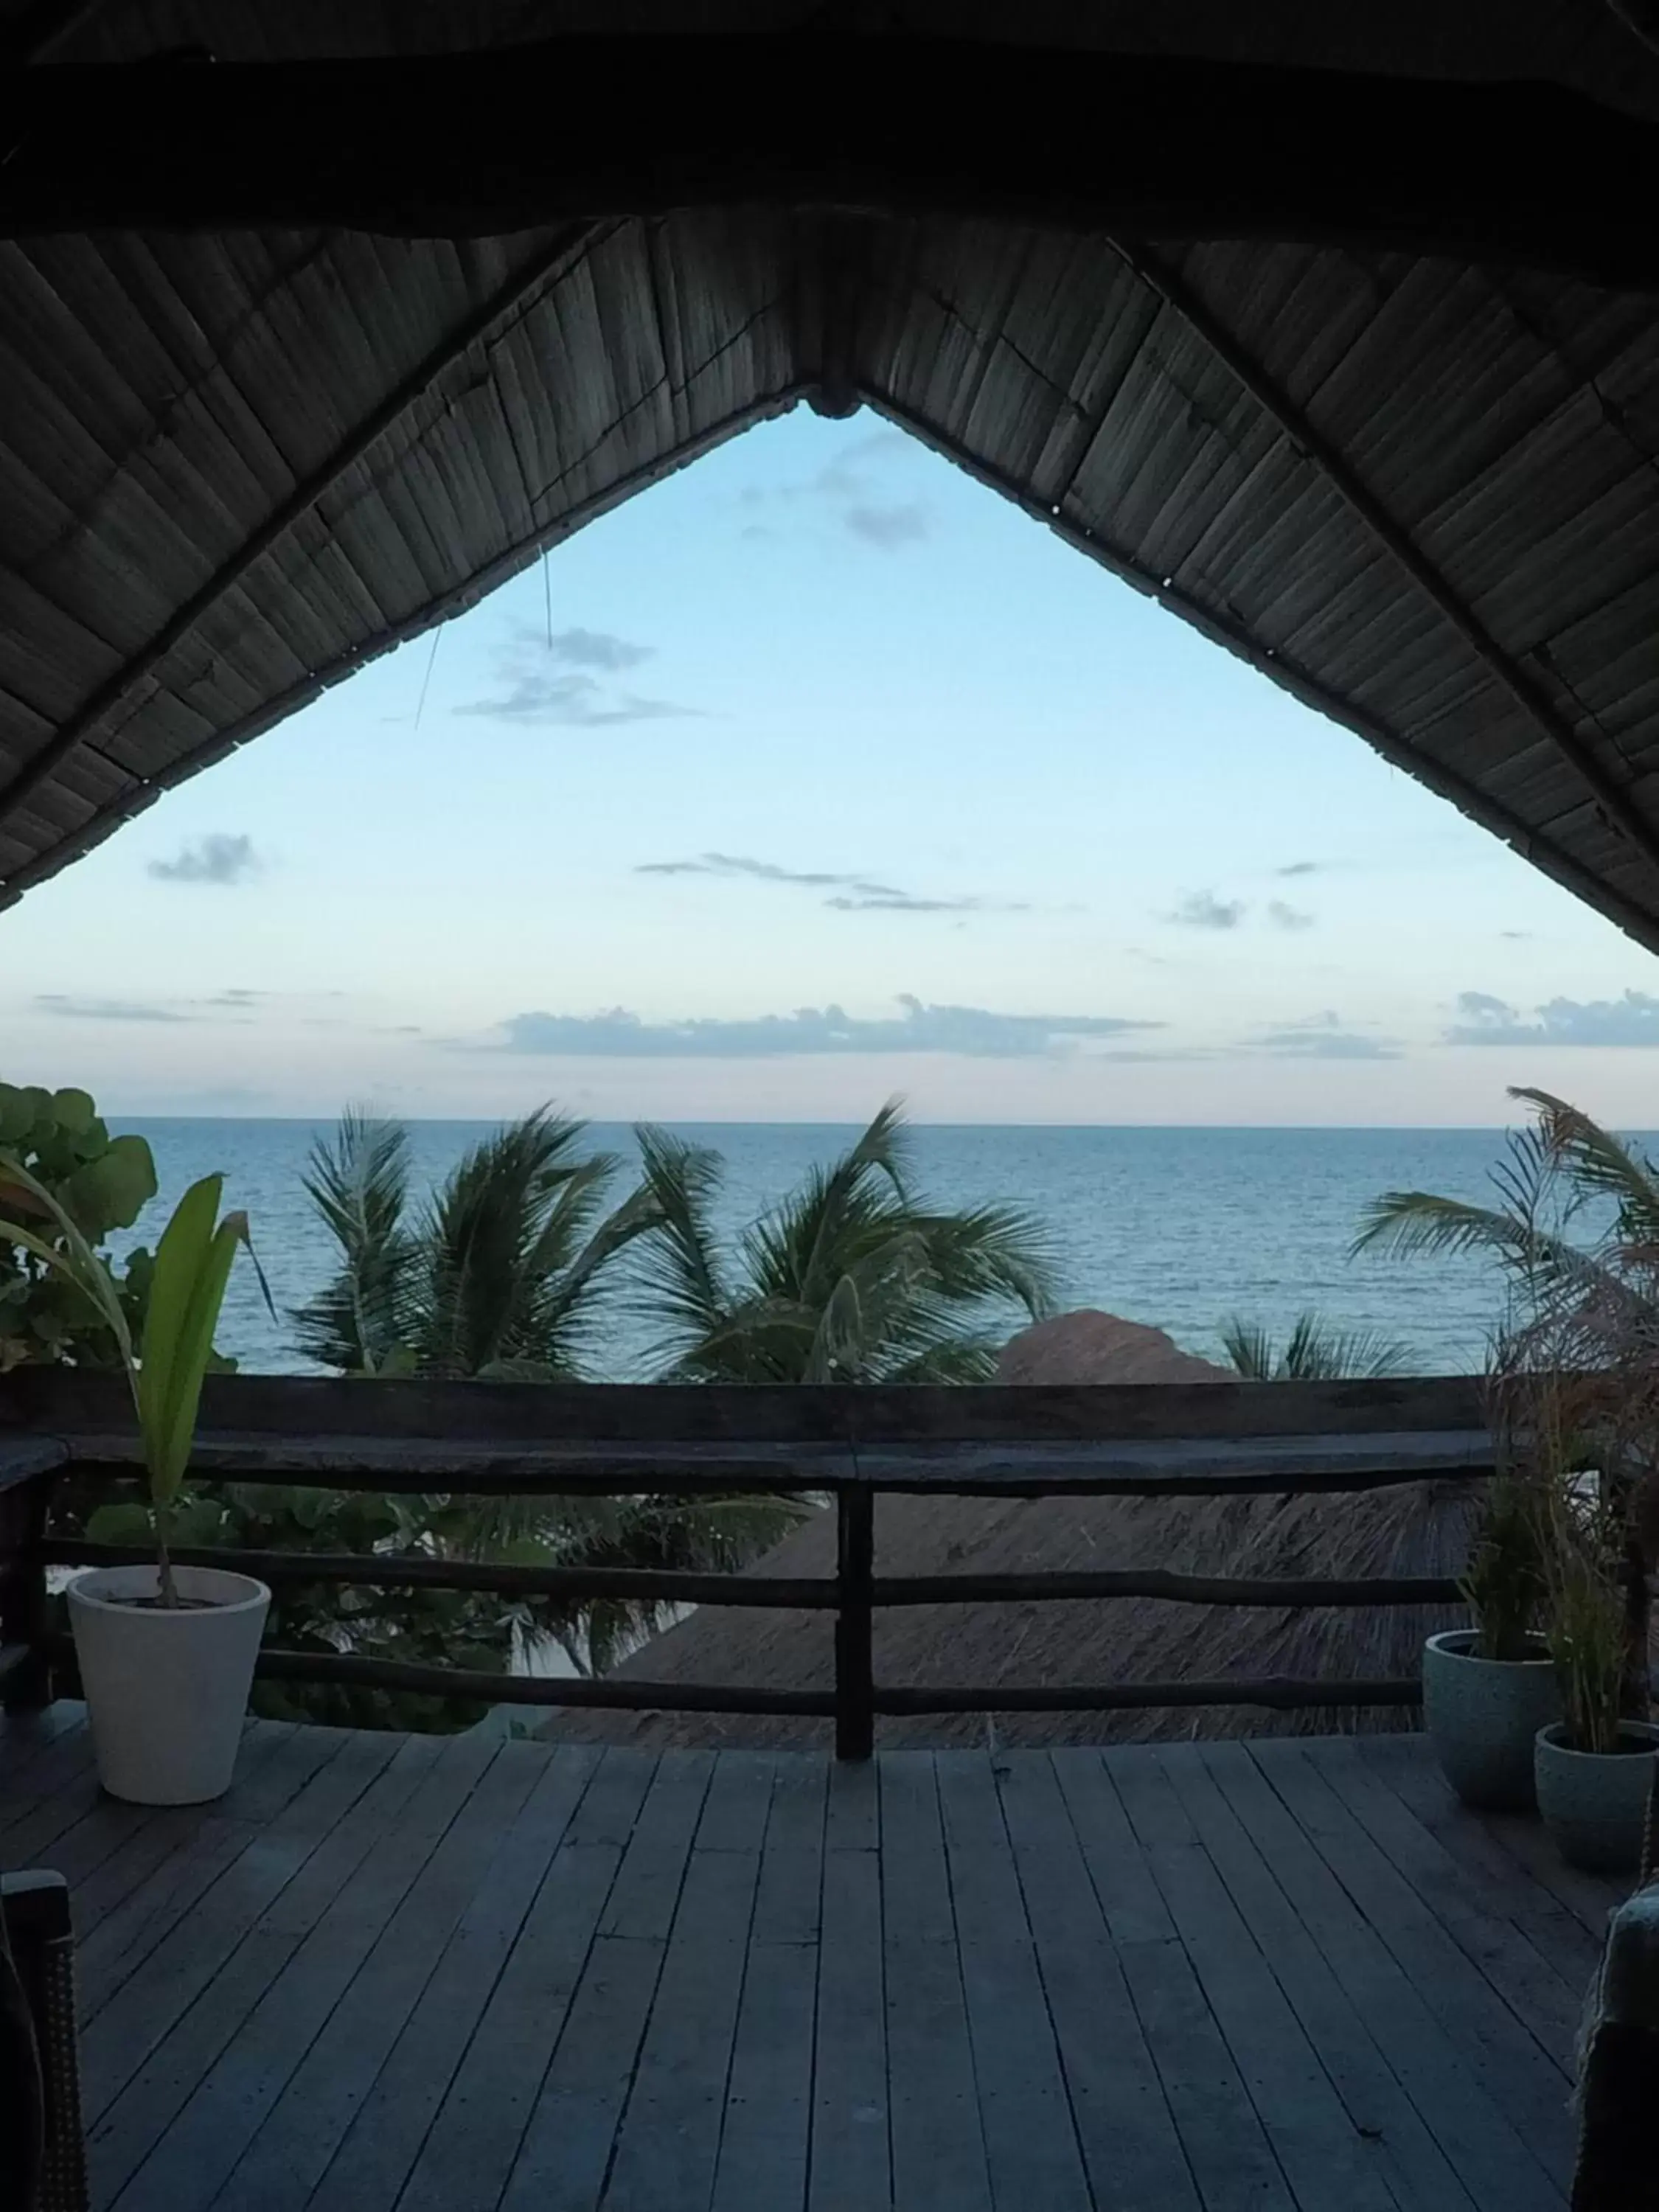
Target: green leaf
(126, 1523)
(192, 1266)
(72, 1110)
(112, 1190)
(16, 1115)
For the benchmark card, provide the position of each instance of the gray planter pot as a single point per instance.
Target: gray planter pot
(1593, 1802)
(1482, 1717)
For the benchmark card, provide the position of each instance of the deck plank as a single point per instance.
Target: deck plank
(143, 2012)
(1475, 1918)
(850, 2151)
(1030, 2141)
(458, 1975)
(1500, 2052)
(173, 2131)
(1316, 2140)
(494, 1882)
(1480, 2141)
(933, 2097)
(765, 2139)
(565, 2150)
(1506, 1885)
(115, 1940)
(668, 2142)
(1418, 2174)
(320, 2032)
(1131, 2148)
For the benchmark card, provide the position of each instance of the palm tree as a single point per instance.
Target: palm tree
(1314, 1351)
(503, 1275)
(1564, 1173)
(852, 1278)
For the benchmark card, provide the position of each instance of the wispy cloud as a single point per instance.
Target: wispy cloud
(741, 865)
(1205, 911)
(904, 902)
(1301, 868)
(550, 681)
(905, 523)
(852, 894)
(216, 859)
(1631, 1021)
(106, 1010)
(1288, 917)
(974, 1032)
(1323, 1036)
(597, 648)
(853, 491)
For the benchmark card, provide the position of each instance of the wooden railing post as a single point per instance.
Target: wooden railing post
(855, 1545)
(25, 1614)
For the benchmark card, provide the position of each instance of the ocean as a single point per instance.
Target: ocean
(1180, 1227)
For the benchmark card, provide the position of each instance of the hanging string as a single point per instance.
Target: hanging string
(547, 596)
(426, 681)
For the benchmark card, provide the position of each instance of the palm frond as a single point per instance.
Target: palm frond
(1314, 1352)
(850, 1278)
(358, 1181)
(1600, 1164)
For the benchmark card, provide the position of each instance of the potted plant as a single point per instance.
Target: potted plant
(1595, 1767)
(1488, 1690)
(165, 1652)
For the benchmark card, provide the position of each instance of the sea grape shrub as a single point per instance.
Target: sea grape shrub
(103, 1183)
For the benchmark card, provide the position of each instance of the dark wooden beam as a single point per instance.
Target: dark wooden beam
(553, 1424)
(468, 145)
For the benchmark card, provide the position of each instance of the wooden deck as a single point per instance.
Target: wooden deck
(451, 1975)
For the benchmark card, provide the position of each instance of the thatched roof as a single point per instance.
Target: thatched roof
(1331, 328)
(1421, 1529)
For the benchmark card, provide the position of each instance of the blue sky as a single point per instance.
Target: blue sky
(815, 774)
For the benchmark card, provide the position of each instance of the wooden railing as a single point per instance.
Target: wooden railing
(849, 1445)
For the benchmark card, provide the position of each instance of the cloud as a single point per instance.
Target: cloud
(903, 524)
(974, 1032)
(541, 681)
(768, 871)
(1301, 868)
(902, 902)
(1326, 1044)
(1515, 936)
(1322, 1036)
(106, 1010)
(1288, 917)
(596, 648)
(1204, 910)
(1632, 1020)
(853, 894)
(851, 489)
(216, 859)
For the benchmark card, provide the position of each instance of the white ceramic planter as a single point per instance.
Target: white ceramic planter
(1482, 1717)
(1594, 1803)
(166, 1690)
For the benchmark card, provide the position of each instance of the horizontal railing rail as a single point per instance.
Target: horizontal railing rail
(846, 1445)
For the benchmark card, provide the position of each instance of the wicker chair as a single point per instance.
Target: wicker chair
(1619, 2055)
(42, 2158)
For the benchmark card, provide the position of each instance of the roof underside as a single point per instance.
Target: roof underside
(1418, 490)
